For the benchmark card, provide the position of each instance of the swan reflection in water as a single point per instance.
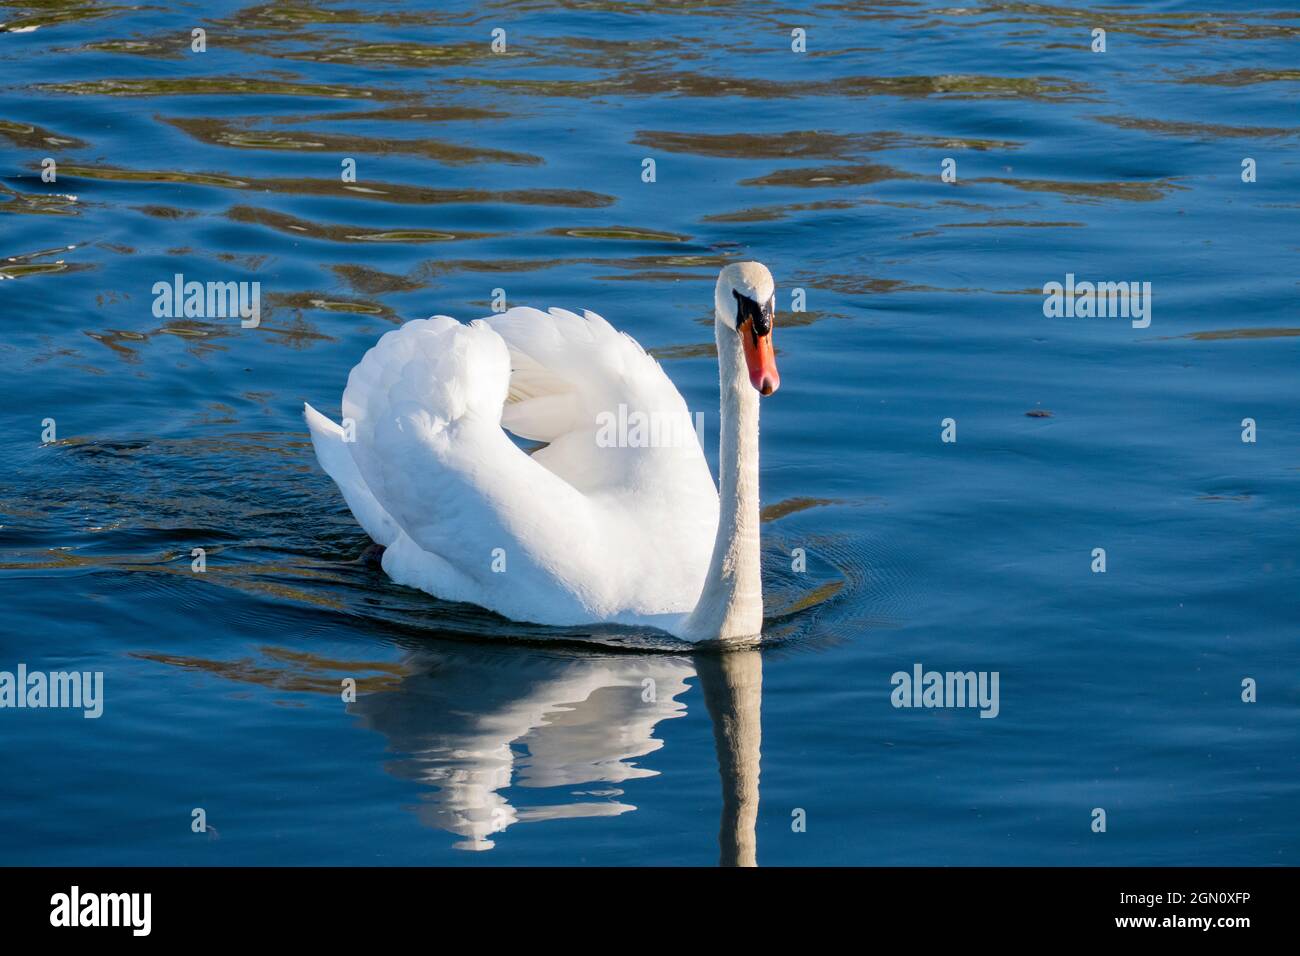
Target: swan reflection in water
(471, 725)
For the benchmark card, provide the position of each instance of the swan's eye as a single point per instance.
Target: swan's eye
(760, 316)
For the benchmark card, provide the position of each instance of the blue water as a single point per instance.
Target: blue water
(476, 741)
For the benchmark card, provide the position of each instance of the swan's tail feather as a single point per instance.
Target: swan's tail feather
(332, 453)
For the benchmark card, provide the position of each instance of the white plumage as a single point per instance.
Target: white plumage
(586, 531)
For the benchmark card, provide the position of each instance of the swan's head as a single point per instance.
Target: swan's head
(745, 307)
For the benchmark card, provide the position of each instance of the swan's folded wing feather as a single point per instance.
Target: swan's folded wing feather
(426, 401)
(573, 375)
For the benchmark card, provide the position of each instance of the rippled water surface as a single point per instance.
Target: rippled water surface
(523, 171)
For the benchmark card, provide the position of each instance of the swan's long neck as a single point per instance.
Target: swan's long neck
(731, 604)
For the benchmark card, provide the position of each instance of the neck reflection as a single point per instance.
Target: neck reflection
(733, 692)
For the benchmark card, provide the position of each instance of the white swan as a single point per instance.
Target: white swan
(584, 530)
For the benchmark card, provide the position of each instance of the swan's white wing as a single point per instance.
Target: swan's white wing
(426, 402)
(576, 382)
(585, 532)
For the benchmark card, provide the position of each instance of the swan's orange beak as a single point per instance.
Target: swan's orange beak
(761, 359)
